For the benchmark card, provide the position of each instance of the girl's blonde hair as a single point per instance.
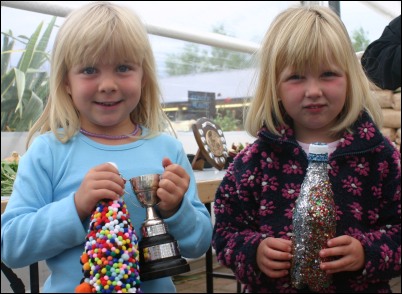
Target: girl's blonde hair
(306, 38)
(95, 32)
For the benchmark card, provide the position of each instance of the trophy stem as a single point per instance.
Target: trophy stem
(151, 214)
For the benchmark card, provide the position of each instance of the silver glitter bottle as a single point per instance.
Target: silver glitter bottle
(314, 222)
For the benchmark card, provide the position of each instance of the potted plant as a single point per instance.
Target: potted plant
(24, 87)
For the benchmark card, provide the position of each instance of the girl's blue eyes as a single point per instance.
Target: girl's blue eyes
(123, 68)
(294, 77)
(88, 70)
(324, 75)
(329, 74)
(93, 70)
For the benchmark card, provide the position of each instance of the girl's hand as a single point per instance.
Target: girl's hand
(349, 253)
(101, 182)
(274, 256)
(172, 187)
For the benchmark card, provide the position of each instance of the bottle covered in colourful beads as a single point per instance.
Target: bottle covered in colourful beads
(314, 222)
(110, 261)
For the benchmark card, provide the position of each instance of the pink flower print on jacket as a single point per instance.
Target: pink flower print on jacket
(289, 211)
(386, 257)
(339, 213)
(286, 233)
(383, 169)
(360, 284)
(248, 153)
(291, 191)
(333, 168)
(249, 178)
(346, 140)
(292, 168)
(240, 264)
(220, 207)
(269, 184)
(228, 255)
(270, 161)
(362, 166)
(366, 131)
(373, 216)
(285, 132)
(377, 191)
(267, 231)
(266, 207)
(356, 210)
(353, 185)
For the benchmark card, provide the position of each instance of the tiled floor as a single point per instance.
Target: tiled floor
(192, 282)
(195, 282)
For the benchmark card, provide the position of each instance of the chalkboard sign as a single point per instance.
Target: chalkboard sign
(202, 102)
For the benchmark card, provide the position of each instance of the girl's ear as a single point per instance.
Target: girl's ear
(67, 86)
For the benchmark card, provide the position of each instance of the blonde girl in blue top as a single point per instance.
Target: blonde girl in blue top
(104, 106)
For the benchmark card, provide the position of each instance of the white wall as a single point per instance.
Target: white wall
(12, 141)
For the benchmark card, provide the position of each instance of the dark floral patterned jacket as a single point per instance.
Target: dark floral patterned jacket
(257, 195)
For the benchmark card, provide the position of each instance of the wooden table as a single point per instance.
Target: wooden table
(4, 201)
(208, 182)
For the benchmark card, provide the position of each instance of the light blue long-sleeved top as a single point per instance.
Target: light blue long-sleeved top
(41, 221)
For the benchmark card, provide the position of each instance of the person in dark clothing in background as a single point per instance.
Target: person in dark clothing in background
(382, 58)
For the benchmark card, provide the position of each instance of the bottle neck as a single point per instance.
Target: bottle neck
(313, 157)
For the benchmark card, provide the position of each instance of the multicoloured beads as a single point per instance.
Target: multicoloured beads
(111, 258)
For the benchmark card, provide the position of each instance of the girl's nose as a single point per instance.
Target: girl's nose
(313, 89)
(107, 83)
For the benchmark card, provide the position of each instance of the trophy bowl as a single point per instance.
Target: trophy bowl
(145, 189)
(159, 252)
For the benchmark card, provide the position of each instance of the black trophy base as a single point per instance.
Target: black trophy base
(163, 268)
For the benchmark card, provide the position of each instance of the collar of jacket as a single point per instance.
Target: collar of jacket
(365, 137)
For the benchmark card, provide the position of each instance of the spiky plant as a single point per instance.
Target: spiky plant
(24, 88)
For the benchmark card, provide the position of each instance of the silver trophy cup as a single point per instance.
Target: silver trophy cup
(159, 252)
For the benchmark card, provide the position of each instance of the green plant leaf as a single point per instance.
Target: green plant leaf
(24, 88)
(8, 104)
(7, 81)
(33, 109)
(20, 82)
(8, 45)
(27, 56)
(40, 55)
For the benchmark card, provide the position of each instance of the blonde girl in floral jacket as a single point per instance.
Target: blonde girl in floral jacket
(311, 88)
